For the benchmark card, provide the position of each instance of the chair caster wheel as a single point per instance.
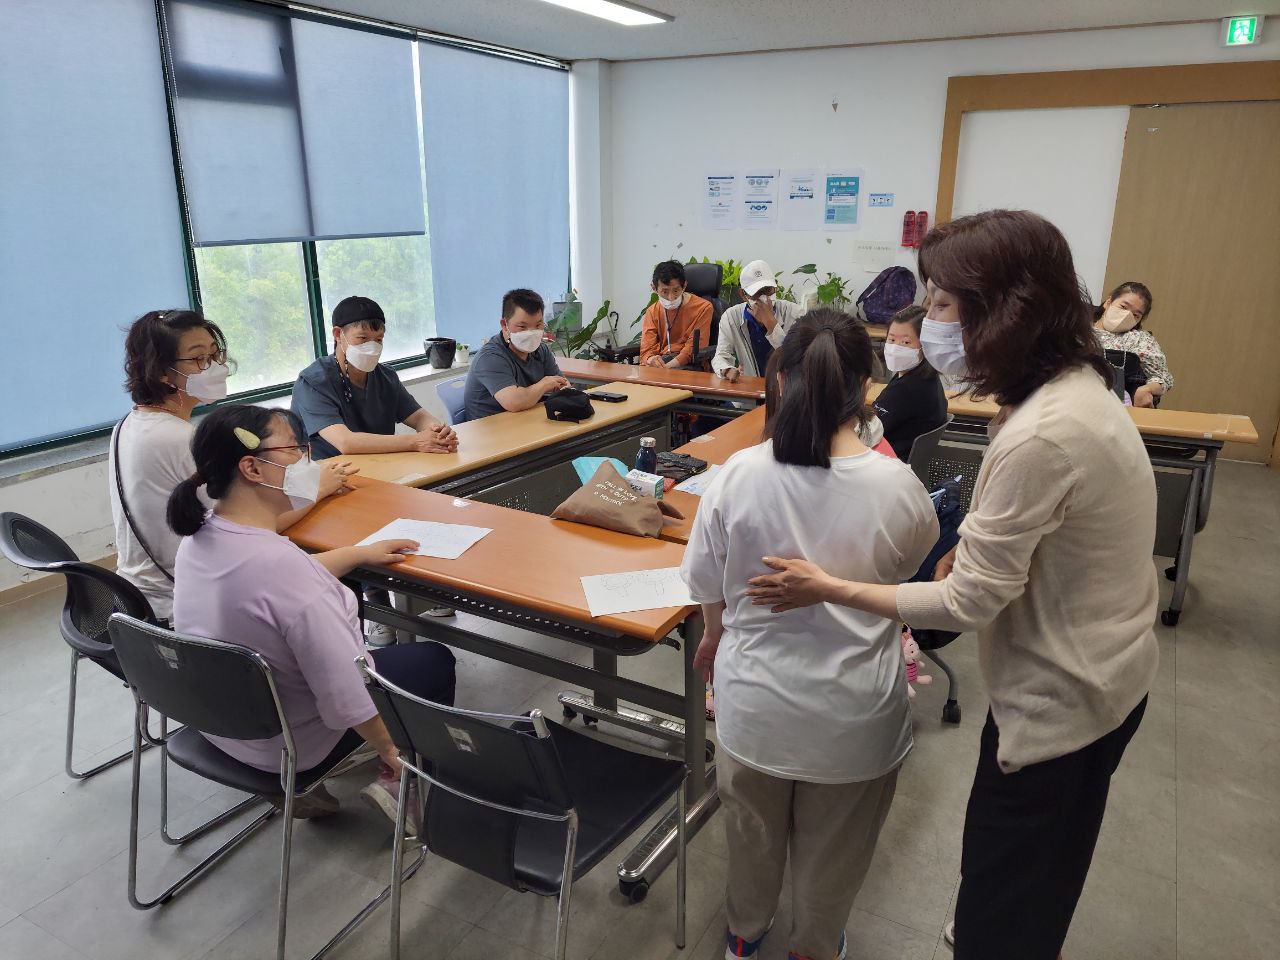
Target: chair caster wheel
(568, 713)
(1171, 572)
(1170, 617)
(951, 712)
(711, 751)
(634, 890)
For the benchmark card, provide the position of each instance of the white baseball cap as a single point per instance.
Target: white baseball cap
(756, 275)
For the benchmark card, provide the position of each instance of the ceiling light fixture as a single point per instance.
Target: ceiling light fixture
(624, 13)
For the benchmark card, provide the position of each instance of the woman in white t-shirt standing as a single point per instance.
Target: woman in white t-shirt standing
(175, 360)
(811, 706)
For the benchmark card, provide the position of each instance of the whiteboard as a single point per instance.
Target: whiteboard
(1062, 164)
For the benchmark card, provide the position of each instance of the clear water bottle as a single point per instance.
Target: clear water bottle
(647, 458)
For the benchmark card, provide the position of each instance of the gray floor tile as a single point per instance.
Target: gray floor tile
(874, 938)
(1228, 842)
(1214, 926)
(23, 940)
(1123, 912)
(480, 944)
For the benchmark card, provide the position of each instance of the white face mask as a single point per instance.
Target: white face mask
(1118, 320)
(672, 304)
(943, 346)
(301, 481)
(207, 385)
(526, 341)
(364, 356)
(764, 298)
(900, 359)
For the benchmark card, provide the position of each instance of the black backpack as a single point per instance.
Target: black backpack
(891, 290)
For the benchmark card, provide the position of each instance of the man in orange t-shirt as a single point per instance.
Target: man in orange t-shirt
(666, 336)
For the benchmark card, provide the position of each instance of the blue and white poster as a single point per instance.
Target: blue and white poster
(840, 203)
(801, 200)
(759, 199)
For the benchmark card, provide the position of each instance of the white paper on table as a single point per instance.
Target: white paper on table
(719, 211)
(800, 203)
(759, 199)
(698, 483)
(635, 590)
(448, 541)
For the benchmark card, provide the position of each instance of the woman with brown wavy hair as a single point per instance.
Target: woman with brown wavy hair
(1053, 571)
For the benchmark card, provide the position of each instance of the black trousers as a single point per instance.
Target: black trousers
(425, 669)
(1029, 838)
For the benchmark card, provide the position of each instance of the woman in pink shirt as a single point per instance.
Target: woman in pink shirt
(238, 580)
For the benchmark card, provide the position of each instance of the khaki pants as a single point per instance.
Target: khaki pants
(828, 829)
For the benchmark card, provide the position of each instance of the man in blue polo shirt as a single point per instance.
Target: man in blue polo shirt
(514, 370)
(351, 403)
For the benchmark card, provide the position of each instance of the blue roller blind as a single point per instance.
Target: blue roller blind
(497, 152)
(292, 129)
(91, 234)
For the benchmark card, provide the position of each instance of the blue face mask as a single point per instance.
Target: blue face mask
(943, 346)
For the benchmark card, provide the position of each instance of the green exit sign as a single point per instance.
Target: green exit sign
(1241, 31)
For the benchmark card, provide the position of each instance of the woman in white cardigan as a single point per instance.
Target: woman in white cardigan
(1053, 571)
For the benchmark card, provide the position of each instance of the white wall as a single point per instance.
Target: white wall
(72, 501)
(590, 191)
(1061, 164)
(673, 119)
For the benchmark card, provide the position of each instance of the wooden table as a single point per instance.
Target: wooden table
(526, 573)
(522, 441)
(698, 383)
(715, 447)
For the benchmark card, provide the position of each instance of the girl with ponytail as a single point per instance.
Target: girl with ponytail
(239, 580)
(811, 706)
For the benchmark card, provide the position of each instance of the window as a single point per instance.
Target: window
(396, 272)
(92, 238)
(257, 294)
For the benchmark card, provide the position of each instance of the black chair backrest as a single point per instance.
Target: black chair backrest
(924, 448)
(217, 688)
(707, 280)
(490, 758)
(30, 544)
(93, 595)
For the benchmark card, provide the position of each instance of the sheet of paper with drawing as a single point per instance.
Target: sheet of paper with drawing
(448, 541)
(635, 590)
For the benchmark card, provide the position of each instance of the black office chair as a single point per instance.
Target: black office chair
(521, 800)
(924, 448)
(706, 280)
(223, 690)
(93, 595)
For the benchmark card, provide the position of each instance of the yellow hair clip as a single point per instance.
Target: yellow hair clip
(247, 438)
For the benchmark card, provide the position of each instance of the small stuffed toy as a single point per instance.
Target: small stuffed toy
(911, 656)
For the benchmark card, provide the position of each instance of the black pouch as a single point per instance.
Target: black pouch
(679, 466)
(570, 404)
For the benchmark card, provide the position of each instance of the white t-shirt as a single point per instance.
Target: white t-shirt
(155, 450)
(820, 693)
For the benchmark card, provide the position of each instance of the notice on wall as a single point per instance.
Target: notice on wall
(840, 201)
(719, 211)
(800, 203)
(759, 199)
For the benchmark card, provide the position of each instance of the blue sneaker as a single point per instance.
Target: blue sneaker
(736, 947)
(841, 952)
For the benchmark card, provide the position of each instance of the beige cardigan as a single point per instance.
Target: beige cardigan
(1054, 571)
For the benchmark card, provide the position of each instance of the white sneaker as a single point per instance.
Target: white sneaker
(384, 796)
(439, 612)
(949, 934)
(378, 635)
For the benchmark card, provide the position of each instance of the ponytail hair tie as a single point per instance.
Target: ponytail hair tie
(250, 441)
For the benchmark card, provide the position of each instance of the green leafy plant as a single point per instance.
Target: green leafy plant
(581, 343)
(833, 291)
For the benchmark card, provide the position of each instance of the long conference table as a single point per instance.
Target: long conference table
(527, 574)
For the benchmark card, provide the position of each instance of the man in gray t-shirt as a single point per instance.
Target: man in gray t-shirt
(514, 370)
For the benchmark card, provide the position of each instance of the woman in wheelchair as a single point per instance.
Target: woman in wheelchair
(238, 580)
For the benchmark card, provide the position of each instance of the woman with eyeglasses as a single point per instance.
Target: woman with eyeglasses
(175, 360)
(240, 581)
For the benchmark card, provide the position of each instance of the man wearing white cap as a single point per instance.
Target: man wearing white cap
(752, 329)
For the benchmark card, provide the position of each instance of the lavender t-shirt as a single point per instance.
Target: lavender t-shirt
(251, 586)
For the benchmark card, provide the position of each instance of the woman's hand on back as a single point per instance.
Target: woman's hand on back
(942, 569)
(797, 583)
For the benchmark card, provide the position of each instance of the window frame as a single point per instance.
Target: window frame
(311, 269)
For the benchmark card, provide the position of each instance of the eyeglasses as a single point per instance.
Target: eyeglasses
(204, 363)
(300, 447)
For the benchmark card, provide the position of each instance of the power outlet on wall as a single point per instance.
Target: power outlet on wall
(872, 256)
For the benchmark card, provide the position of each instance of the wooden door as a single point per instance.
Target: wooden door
(1198, 221)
